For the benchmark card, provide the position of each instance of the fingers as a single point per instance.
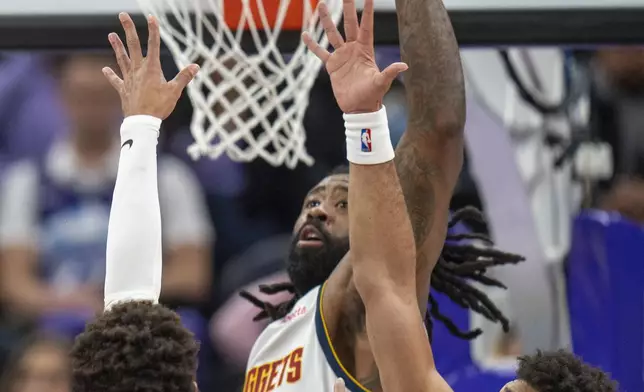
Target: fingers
(339, 386)
(184, 77)
(132, 38)
(122, 59)
(331, 30)
(350, 15)
(113, 78)
(390, 73)
(154, 39)
(314, 47)
(365, 36)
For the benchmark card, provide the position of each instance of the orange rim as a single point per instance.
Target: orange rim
(293, 20)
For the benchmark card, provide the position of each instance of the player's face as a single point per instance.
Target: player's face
(517, 386)
(321, 233)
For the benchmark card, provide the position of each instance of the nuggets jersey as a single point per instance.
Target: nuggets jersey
(295, 354)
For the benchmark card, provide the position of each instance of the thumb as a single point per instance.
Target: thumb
(185, 76)
(391, 72)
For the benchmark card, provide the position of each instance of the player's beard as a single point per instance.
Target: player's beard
(310, 267)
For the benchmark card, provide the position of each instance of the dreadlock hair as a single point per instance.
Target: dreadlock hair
(561, 371)
(459, 264)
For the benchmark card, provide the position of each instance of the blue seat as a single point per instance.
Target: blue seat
(605, 287)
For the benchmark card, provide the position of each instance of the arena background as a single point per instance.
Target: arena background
(555, 155)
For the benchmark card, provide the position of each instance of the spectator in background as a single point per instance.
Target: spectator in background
(618, 82)
(618, 118)
(54, 212)
(41, 364)
(27, 88)
(627, 198)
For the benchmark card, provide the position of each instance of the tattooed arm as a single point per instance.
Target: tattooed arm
(383, 262)
(428, 161)
(429, 156)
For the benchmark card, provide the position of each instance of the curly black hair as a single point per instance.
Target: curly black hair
(561, 371)
(135, 346)
(459, 263)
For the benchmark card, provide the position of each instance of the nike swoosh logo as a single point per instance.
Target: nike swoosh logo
(128, 142)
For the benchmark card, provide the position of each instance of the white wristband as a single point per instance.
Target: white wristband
(368, 140)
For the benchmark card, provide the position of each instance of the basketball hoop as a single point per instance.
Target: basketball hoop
(246, 105)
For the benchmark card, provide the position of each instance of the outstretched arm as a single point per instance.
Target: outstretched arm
(133, 270)
(383, 252)
(383, 261)
(383, 258)
(429, 156)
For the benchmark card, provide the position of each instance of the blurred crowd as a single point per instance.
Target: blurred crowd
(226, 225)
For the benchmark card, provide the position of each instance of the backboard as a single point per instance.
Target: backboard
(83, 24)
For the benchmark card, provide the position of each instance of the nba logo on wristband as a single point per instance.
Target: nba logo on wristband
(365, 140)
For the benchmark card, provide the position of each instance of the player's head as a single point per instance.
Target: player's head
(558, 371)
(135, 346)
(40, 364)
(310, 264)
(321, 233)
(90, 102)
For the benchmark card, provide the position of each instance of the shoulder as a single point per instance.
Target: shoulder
(339, 300)
(303, 312)
(307, 305)
(298, 326)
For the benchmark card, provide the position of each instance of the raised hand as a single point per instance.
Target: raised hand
(358, 84)
(143, 89)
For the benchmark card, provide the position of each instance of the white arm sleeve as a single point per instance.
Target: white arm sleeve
(133, 270)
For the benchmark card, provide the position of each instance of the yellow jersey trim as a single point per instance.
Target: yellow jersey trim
(329, 352)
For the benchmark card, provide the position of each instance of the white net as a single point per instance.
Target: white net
(247, 103)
